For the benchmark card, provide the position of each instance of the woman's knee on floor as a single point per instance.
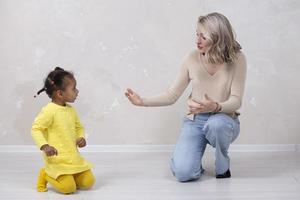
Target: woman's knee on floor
(186, 173)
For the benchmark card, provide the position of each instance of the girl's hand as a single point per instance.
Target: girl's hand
(205, 106)
(49, 150)
(81, 142)
(133, 97)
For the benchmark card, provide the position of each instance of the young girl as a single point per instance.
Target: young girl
(57, 132)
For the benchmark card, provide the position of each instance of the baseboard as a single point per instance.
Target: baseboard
(159, 148)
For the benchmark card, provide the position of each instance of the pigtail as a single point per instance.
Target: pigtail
(40, 91)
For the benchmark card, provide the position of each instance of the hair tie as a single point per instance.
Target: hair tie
(50, 81)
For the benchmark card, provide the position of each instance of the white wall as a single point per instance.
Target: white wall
(111, 45)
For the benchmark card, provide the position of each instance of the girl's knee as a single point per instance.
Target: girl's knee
(85, 180)
(67, 188)
(65, 184)
(88, 182)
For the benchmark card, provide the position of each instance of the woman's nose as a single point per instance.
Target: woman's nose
(198, 40)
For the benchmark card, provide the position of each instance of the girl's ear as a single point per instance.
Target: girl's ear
(58, 93)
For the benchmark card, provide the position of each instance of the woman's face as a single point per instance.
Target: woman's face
(202, 39)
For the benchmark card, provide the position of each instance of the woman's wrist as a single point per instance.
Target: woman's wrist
(142, 103)
(218, 107)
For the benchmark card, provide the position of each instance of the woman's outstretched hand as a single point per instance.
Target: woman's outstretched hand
(133, 97)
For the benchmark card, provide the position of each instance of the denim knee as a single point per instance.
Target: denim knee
(218, 130)
(185, 174)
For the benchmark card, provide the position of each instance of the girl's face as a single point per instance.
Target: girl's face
(70, 93)
(202, 39)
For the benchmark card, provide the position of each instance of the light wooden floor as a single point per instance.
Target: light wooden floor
(143, 176)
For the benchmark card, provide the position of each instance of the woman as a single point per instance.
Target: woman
(217, 72)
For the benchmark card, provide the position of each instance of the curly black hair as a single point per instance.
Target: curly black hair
(55, 81)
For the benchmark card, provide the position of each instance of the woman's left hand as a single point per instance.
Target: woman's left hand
(81, 142)
(205, 106)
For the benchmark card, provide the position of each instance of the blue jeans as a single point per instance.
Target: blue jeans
(219, 130)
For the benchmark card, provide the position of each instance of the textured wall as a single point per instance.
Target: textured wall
(111, 45)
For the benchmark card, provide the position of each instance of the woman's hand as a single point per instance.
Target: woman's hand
(205, 106)
(133, 97)
(49, 150)
(81, 142)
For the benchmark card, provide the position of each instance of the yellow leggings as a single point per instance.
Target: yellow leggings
(69, 183)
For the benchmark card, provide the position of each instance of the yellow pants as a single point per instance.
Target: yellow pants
(67, 183)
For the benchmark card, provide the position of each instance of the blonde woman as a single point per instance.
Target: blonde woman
(217, 72)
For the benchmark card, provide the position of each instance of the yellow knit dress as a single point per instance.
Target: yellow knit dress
(59, 126)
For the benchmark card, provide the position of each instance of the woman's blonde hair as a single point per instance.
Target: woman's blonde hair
(224, 47)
